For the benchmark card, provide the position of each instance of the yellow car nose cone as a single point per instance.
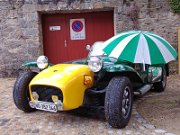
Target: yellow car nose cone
(71, 79)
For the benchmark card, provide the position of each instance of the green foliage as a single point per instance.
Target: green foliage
(175, 5)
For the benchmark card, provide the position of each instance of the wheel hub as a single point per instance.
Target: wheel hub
(126, 102)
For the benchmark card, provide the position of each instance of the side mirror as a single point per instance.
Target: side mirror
(88, 47)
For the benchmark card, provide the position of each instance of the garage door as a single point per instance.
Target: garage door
(65, 36)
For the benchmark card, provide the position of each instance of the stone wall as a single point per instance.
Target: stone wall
(21, 34)
(154, 16)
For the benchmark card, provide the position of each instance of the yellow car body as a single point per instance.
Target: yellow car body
(71, 79)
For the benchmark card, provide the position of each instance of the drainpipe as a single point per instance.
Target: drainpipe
(179, 49)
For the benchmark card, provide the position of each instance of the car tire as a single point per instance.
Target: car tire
(161, 86)
(118, 102)
(21, 91)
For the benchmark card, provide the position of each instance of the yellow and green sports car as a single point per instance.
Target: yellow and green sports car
(98, 80)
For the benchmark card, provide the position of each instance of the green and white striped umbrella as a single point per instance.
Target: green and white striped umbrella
(140, 47)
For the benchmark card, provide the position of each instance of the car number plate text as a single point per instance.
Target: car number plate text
(46, 106)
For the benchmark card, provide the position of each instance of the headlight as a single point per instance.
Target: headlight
(35, 95)
(95, 64)
(42, 62)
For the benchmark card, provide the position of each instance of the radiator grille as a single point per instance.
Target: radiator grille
(45, 92)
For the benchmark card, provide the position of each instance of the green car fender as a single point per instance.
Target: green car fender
(33, 64)
(125, 70)
(30, 64)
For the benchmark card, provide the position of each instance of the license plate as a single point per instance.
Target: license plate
(46, 106)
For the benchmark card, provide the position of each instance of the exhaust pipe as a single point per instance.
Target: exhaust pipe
(144, 89)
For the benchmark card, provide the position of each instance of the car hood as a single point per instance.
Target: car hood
(61, 75)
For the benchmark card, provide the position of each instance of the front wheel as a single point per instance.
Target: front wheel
(21, 91)
(118, 102)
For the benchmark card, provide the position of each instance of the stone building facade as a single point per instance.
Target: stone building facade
(21, 30)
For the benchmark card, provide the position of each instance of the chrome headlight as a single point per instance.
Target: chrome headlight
(95, 64)
(42, 62)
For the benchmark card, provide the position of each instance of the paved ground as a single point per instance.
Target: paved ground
(15, 122)
(165, 106)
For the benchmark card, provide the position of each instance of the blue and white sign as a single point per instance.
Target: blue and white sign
(77, 29)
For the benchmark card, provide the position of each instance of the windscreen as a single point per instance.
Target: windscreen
(97, 49)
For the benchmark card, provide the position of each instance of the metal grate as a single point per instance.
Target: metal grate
(45, 92)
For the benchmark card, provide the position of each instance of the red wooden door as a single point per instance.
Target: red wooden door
(57, 37)
(54, 29)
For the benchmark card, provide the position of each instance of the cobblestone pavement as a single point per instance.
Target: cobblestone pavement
(16, 122)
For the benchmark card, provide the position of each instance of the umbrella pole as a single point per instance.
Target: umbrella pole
(179, 49)
(144, 66)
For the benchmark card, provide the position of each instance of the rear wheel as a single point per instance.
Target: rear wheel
(118, 102)
(160, 86)
(21, 91)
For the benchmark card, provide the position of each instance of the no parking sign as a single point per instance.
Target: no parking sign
(77, 29)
